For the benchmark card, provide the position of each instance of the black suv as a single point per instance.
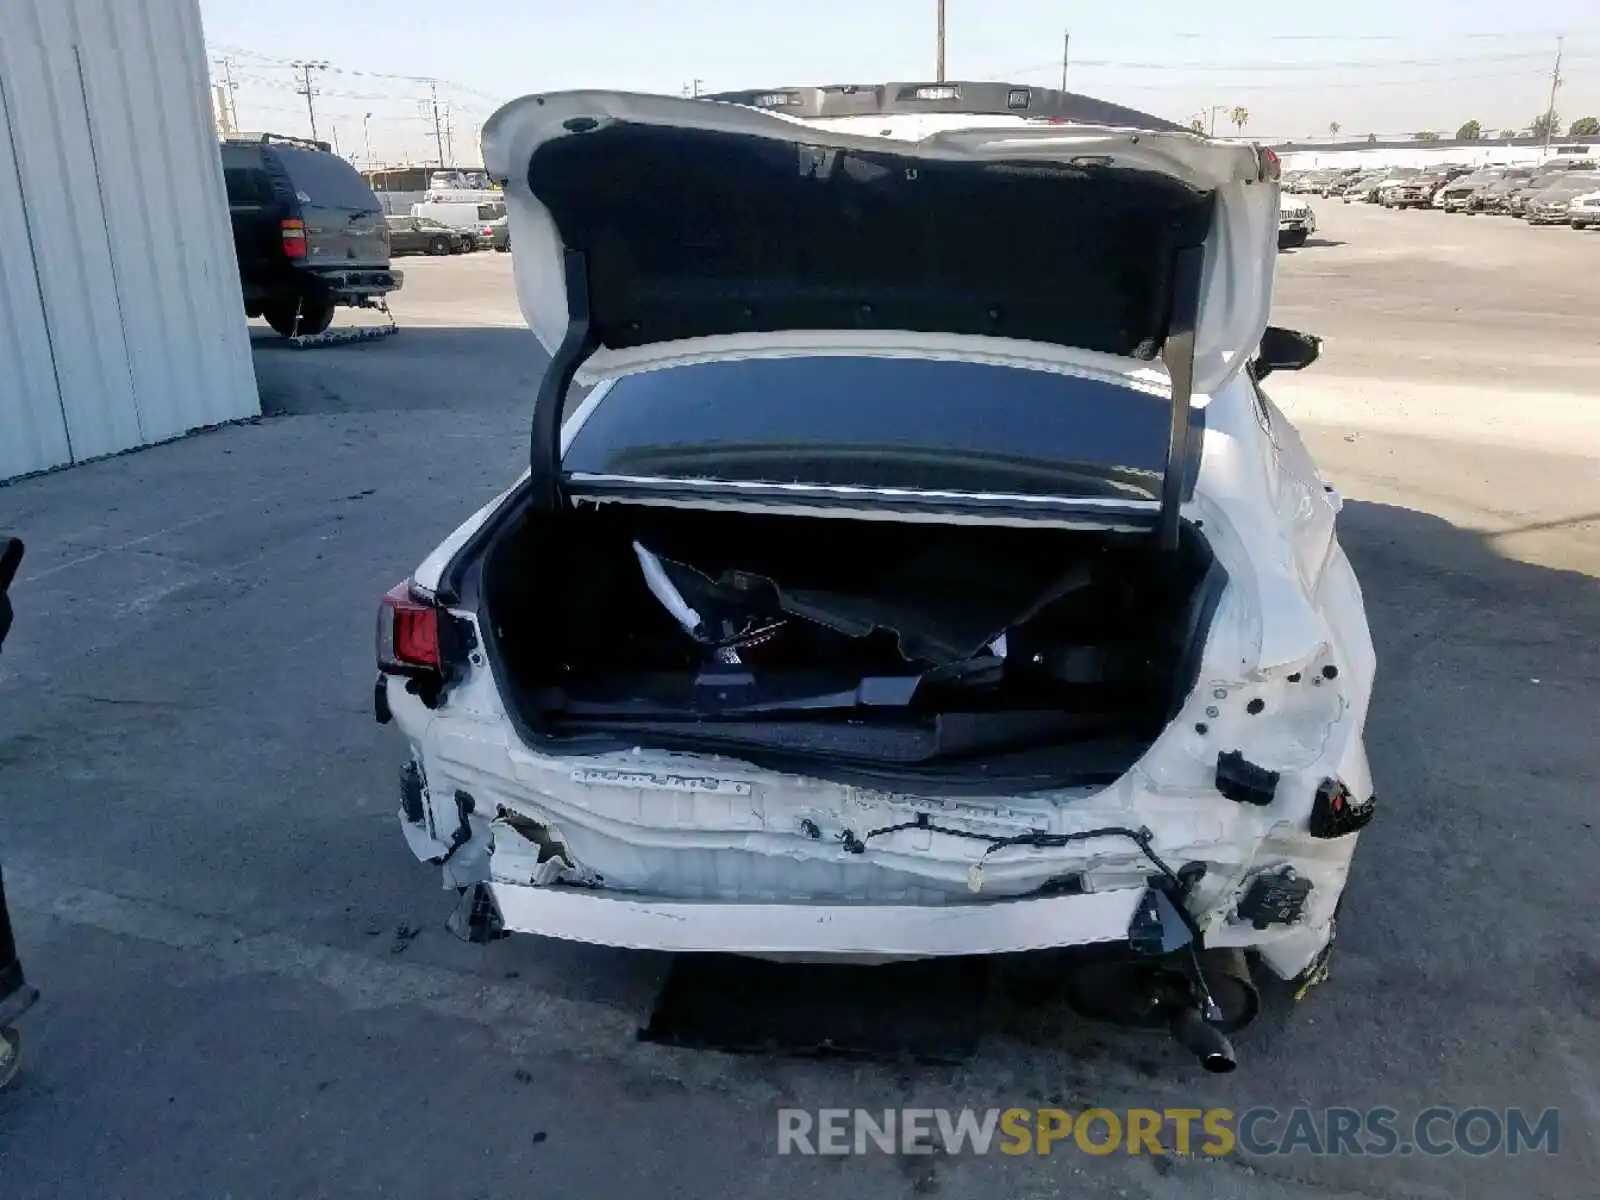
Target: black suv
(308, 232)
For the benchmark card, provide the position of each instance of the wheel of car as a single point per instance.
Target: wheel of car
(439, 245)
(315, 316)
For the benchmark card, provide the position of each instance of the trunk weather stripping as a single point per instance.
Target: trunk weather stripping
(1177, 352)
(578, 343)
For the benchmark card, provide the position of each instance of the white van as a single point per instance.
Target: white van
(468, 216)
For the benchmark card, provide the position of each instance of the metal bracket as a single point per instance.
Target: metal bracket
(1177, 353)
(544, 464)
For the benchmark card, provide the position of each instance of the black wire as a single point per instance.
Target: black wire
(1140, 837)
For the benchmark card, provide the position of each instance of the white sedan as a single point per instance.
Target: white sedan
(924, 572)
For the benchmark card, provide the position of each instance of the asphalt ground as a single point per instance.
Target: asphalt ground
(248, 987)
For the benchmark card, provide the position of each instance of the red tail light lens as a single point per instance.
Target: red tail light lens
(294, 238)
(408, 633)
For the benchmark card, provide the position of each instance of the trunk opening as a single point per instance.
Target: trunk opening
(952, 656)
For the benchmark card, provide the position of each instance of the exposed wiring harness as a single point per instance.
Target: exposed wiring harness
(1038, 838)
(1140, 837)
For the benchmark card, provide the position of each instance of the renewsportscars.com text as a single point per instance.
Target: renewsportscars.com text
(1259, 1131)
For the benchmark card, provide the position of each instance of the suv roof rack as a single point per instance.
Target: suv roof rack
(980, 98)
(275, 139)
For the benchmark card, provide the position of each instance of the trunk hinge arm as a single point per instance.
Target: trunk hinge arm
(1177, 353)
(577, 344)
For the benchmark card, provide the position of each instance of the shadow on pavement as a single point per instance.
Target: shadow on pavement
(422, 366)
(1464, 973)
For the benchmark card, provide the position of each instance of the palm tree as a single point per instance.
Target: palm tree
(1333, 129)
(1239, 116)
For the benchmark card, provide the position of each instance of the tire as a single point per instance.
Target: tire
(315, 316)
(438, 246)
(1292, 240)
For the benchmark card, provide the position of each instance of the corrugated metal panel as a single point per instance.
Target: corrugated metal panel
(122, 223)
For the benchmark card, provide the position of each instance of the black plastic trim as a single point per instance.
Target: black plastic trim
(1132, 517)
(578, 343)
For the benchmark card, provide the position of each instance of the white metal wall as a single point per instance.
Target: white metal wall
(120, 314)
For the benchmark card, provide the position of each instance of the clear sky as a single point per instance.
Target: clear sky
(1380, 66)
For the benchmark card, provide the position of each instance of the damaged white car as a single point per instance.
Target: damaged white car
(924, 572)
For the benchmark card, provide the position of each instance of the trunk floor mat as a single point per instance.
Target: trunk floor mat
(930, 1011)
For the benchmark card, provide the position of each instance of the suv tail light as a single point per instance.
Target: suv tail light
(408, 633)
(294, 238)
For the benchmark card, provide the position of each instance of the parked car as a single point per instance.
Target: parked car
(457, 215)
(496, 234)
(1296, 222)
(1357, 186)
(1456, 195)
(1518, 199)
(1419, 190)
(1584, 211)
(1493, 197)
(1553, 205)
(422, 235)
(307, 230)
(1389, 187)
(1028, 651)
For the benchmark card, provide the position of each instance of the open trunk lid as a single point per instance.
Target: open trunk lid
(653, 230)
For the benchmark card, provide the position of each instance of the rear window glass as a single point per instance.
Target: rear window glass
(248, 187)
(326, 179)
(880, 422)
(491, 212)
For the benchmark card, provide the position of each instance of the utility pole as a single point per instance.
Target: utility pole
(1066, 50)
(230, 94)
(308, 90)
(449, 132)
(938, 69)
(366, 138)
(1555, 82)
(438, 133)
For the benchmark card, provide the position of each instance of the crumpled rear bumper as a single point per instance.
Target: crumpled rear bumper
(893, 931)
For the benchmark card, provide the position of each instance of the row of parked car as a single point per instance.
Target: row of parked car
(429, 235)
(1559, 192)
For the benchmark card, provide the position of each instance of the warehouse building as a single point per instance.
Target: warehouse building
(121, 322)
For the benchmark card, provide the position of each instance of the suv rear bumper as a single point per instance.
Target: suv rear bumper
(356, 283)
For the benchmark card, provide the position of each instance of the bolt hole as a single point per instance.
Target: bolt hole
(1255, 706)
(1202, 728)
(1330, 672)
(1295, 678)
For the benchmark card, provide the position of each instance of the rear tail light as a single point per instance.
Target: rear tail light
(408, 633)
(294, 238)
